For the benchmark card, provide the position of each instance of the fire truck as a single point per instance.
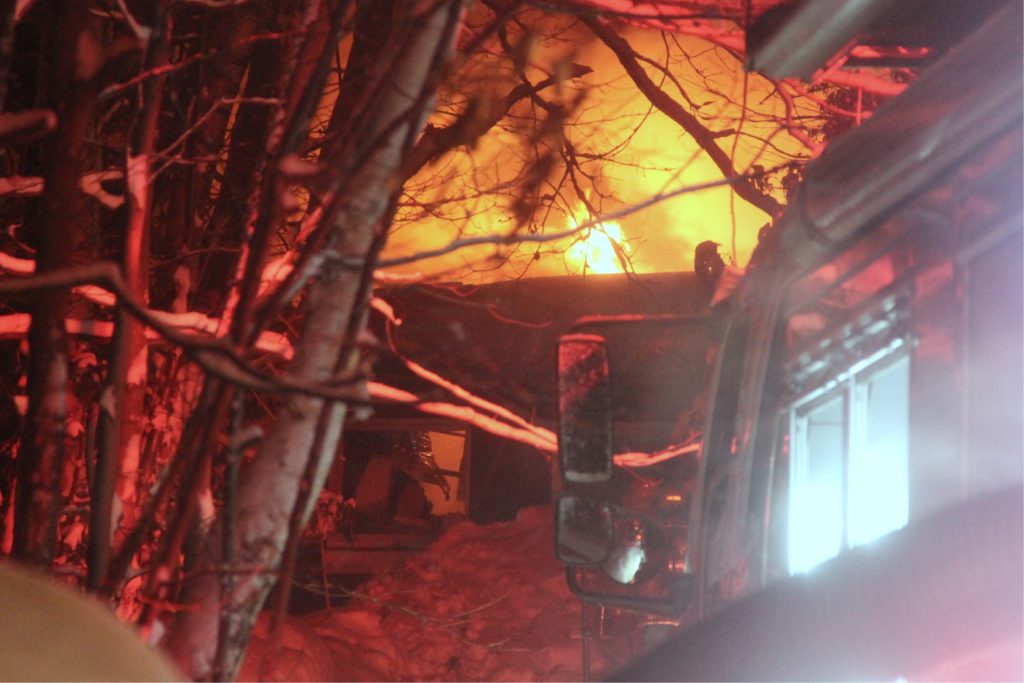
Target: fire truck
(853, 507)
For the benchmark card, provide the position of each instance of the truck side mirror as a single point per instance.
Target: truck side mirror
(584, 409)
(584, 532)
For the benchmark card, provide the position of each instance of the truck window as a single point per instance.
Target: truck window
(847, 418)
(927, 301)
(848, 478)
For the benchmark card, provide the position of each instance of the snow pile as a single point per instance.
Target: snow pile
(483, 603)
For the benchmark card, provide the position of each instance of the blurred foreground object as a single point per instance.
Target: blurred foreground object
(50, 633)
(937, 600)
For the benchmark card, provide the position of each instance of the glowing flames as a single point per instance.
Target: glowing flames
(601, 248)
(631, 154)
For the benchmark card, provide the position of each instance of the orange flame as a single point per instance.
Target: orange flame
(601, 248)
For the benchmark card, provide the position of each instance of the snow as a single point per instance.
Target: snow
(138, 370)
(295, 166)
(640, 459)
(129, 470)
(21, 404)
(96, 295)
(91, 184)
(488, 407)
(535, 436)
(14, 325)
(385, 309)
(14, 184)
(138, 181)
(275, 272)
(382, 277)
(482, 603)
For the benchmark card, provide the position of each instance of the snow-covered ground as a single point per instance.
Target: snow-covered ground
(484, 603)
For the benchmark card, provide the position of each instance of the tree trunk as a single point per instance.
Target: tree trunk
(40, 460)
(122, 416)
(269, 491)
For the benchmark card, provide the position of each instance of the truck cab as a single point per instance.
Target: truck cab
(868, 371)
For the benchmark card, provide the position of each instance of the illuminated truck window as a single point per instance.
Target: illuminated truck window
(848, 376)
(848, 480)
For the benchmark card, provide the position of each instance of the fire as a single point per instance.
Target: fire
(601, 248)
(632, 154)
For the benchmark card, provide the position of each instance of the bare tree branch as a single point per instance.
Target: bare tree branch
(701, 134)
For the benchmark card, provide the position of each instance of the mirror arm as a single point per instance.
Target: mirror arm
(660, 606)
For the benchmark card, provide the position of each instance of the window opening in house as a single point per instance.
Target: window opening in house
(448, 449)
(398, 479)
(390, 491)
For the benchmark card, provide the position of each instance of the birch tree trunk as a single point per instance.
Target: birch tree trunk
(380, 128)
(122, 416)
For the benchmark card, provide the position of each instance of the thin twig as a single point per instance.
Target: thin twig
(114, 90)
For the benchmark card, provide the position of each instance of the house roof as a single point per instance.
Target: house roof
(500, 340)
